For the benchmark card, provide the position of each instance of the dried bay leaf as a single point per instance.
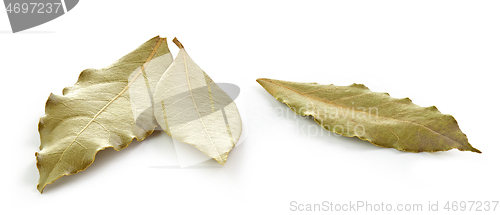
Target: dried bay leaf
(375, 117)
(192, 109)
(105, 108)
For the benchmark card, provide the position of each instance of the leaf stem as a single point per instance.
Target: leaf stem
(179, 44)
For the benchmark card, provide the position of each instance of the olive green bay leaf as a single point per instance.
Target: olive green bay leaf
(105, 108)
(192, 109)
(354, 110)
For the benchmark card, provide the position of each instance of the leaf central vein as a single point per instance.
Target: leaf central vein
(194, 102)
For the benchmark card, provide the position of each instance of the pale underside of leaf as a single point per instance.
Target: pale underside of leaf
(101, 110)
(375, 117)
(192, 109)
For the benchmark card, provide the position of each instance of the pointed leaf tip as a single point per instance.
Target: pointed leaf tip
(475, 150)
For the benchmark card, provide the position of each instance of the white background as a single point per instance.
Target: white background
(442, 53)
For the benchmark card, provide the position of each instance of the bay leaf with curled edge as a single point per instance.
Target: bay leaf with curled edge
(106, 108)
(384, 121)
(192, 109)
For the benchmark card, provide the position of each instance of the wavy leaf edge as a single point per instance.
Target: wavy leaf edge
(259, 80)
